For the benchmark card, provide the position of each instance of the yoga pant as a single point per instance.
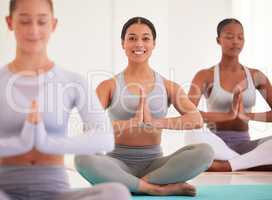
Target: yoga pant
(236, 147)
(128, 164)
(51, 183)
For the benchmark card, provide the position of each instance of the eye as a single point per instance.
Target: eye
(132, 38)
(25, 22)
(146, 39)
(42, 22)
(229, 37)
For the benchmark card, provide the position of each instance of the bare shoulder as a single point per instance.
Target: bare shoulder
(255, 72)
(105, 90)
(203, 79)
(258, 77)
(106, 85)
(204, 74)
(170, 84)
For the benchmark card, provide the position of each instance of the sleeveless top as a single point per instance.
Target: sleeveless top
(124, 104)
(221, 100)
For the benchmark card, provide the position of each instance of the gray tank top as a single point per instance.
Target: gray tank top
(221, 100)
(124, 104)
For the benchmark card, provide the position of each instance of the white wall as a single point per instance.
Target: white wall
(6, 40)
(256, 17)
(192, 46)
(88, 39)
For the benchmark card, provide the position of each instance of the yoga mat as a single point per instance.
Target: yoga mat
(222, 192)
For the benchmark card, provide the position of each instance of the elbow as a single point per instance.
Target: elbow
(195, 121)
(198, 125)
(199, 122)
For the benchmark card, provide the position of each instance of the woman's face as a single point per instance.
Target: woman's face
(231, 39)
(138, 43)
(32, 22)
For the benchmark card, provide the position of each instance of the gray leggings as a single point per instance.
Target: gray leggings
(51, 183)
(127, 165)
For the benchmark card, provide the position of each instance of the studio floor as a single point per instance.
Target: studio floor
(207, 178)
(241, 185)
(233, 178)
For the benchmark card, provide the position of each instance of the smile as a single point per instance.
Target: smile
(139, 52)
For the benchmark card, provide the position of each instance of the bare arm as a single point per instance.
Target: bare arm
(263, 85)
(189, 118)
(104, 92)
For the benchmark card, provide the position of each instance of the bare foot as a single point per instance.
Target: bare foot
(151, 189)
(180, 189)
(220, 166)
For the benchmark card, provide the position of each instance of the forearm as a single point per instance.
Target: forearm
(217, 116)
(20, 144)
(184, 122)
(90, 142)
(260, 117)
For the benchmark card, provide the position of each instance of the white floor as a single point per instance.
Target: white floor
(233, 178)
(207, 178)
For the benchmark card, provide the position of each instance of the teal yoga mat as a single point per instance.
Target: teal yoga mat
(222, 192)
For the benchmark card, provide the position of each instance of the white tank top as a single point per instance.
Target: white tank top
(221, 100)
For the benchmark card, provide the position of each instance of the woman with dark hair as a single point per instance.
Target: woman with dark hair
(230, 91)
(137, 100)
(36, 99)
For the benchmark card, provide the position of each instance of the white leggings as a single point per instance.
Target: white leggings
(259, 156)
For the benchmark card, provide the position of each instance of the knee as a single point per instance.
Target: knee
(80, 160)
(83, 163)
(204, 153)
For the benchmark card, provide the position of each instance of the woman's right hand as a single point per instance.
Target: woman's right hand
(34, 116)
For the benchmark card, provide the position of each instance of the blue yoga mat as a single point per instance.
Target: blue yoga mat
(222, 192)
